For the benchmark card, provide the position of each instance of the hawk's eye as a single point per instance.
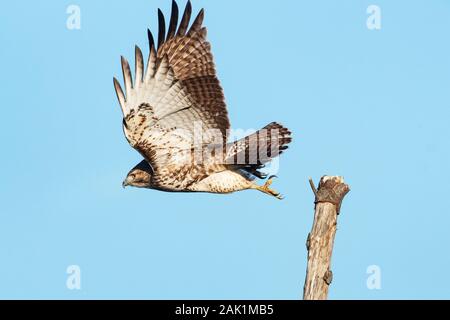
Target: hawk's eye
(133, 176)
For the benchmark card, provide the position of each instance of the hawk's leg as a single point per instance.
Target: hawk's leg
(266, 188)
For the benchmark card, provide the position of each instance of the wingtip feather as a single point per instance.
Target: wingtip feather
(173, 20)
(151, 40)
(162, 28)
(184, 24)
(197, 24)
(139, 70)
(120, 94)
(126, 74)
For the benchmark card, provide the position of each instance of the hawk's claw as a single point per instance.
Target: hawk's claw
(266, 188)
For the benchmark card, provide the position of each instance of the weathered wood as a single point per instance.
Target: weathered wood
(328, 200)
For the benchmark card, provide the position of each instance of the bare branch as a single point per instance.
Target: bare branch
(320, 242)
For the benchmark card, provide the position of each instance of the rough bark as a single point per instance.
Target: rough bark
(328, 200)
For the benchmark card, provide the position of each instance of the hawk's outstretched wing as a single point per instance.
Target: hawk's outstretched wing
(176, 93)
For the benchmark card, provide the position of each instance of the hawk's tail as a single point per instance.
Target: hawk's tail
(254, 151)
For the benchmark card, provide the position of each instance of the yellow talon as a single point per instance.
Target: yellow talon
(265, 188)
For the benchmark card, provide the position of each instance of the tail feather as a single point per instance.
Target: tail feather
(254, 151)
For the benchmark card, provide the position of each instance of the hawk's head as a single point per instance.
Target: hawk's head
(140, 176)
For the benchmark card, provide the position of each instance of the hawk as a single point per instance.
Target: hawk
(175, 116)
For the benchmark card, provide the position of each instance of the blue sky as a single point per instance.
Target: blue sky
(371, 105)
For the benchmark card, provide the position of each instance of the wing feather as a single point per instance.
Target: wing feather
(197, 24)
(127, 76)
(184, 24)
(151, 39)
(162, 29)
(173, 21)
(120, 97)
(191, 58)
(139, 72)
(178, 89)
(151, 65)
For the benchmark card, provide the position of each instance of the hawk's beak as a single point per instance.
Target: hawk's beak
(124, 184)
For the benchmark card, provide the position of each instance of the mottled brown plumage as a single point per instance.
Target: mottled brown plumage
(175, 116)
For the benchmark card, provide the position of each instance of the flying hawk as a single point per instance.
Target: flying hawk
(174, 115)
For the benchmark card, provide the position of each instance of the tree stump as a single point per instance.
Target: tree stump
(328, 200)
